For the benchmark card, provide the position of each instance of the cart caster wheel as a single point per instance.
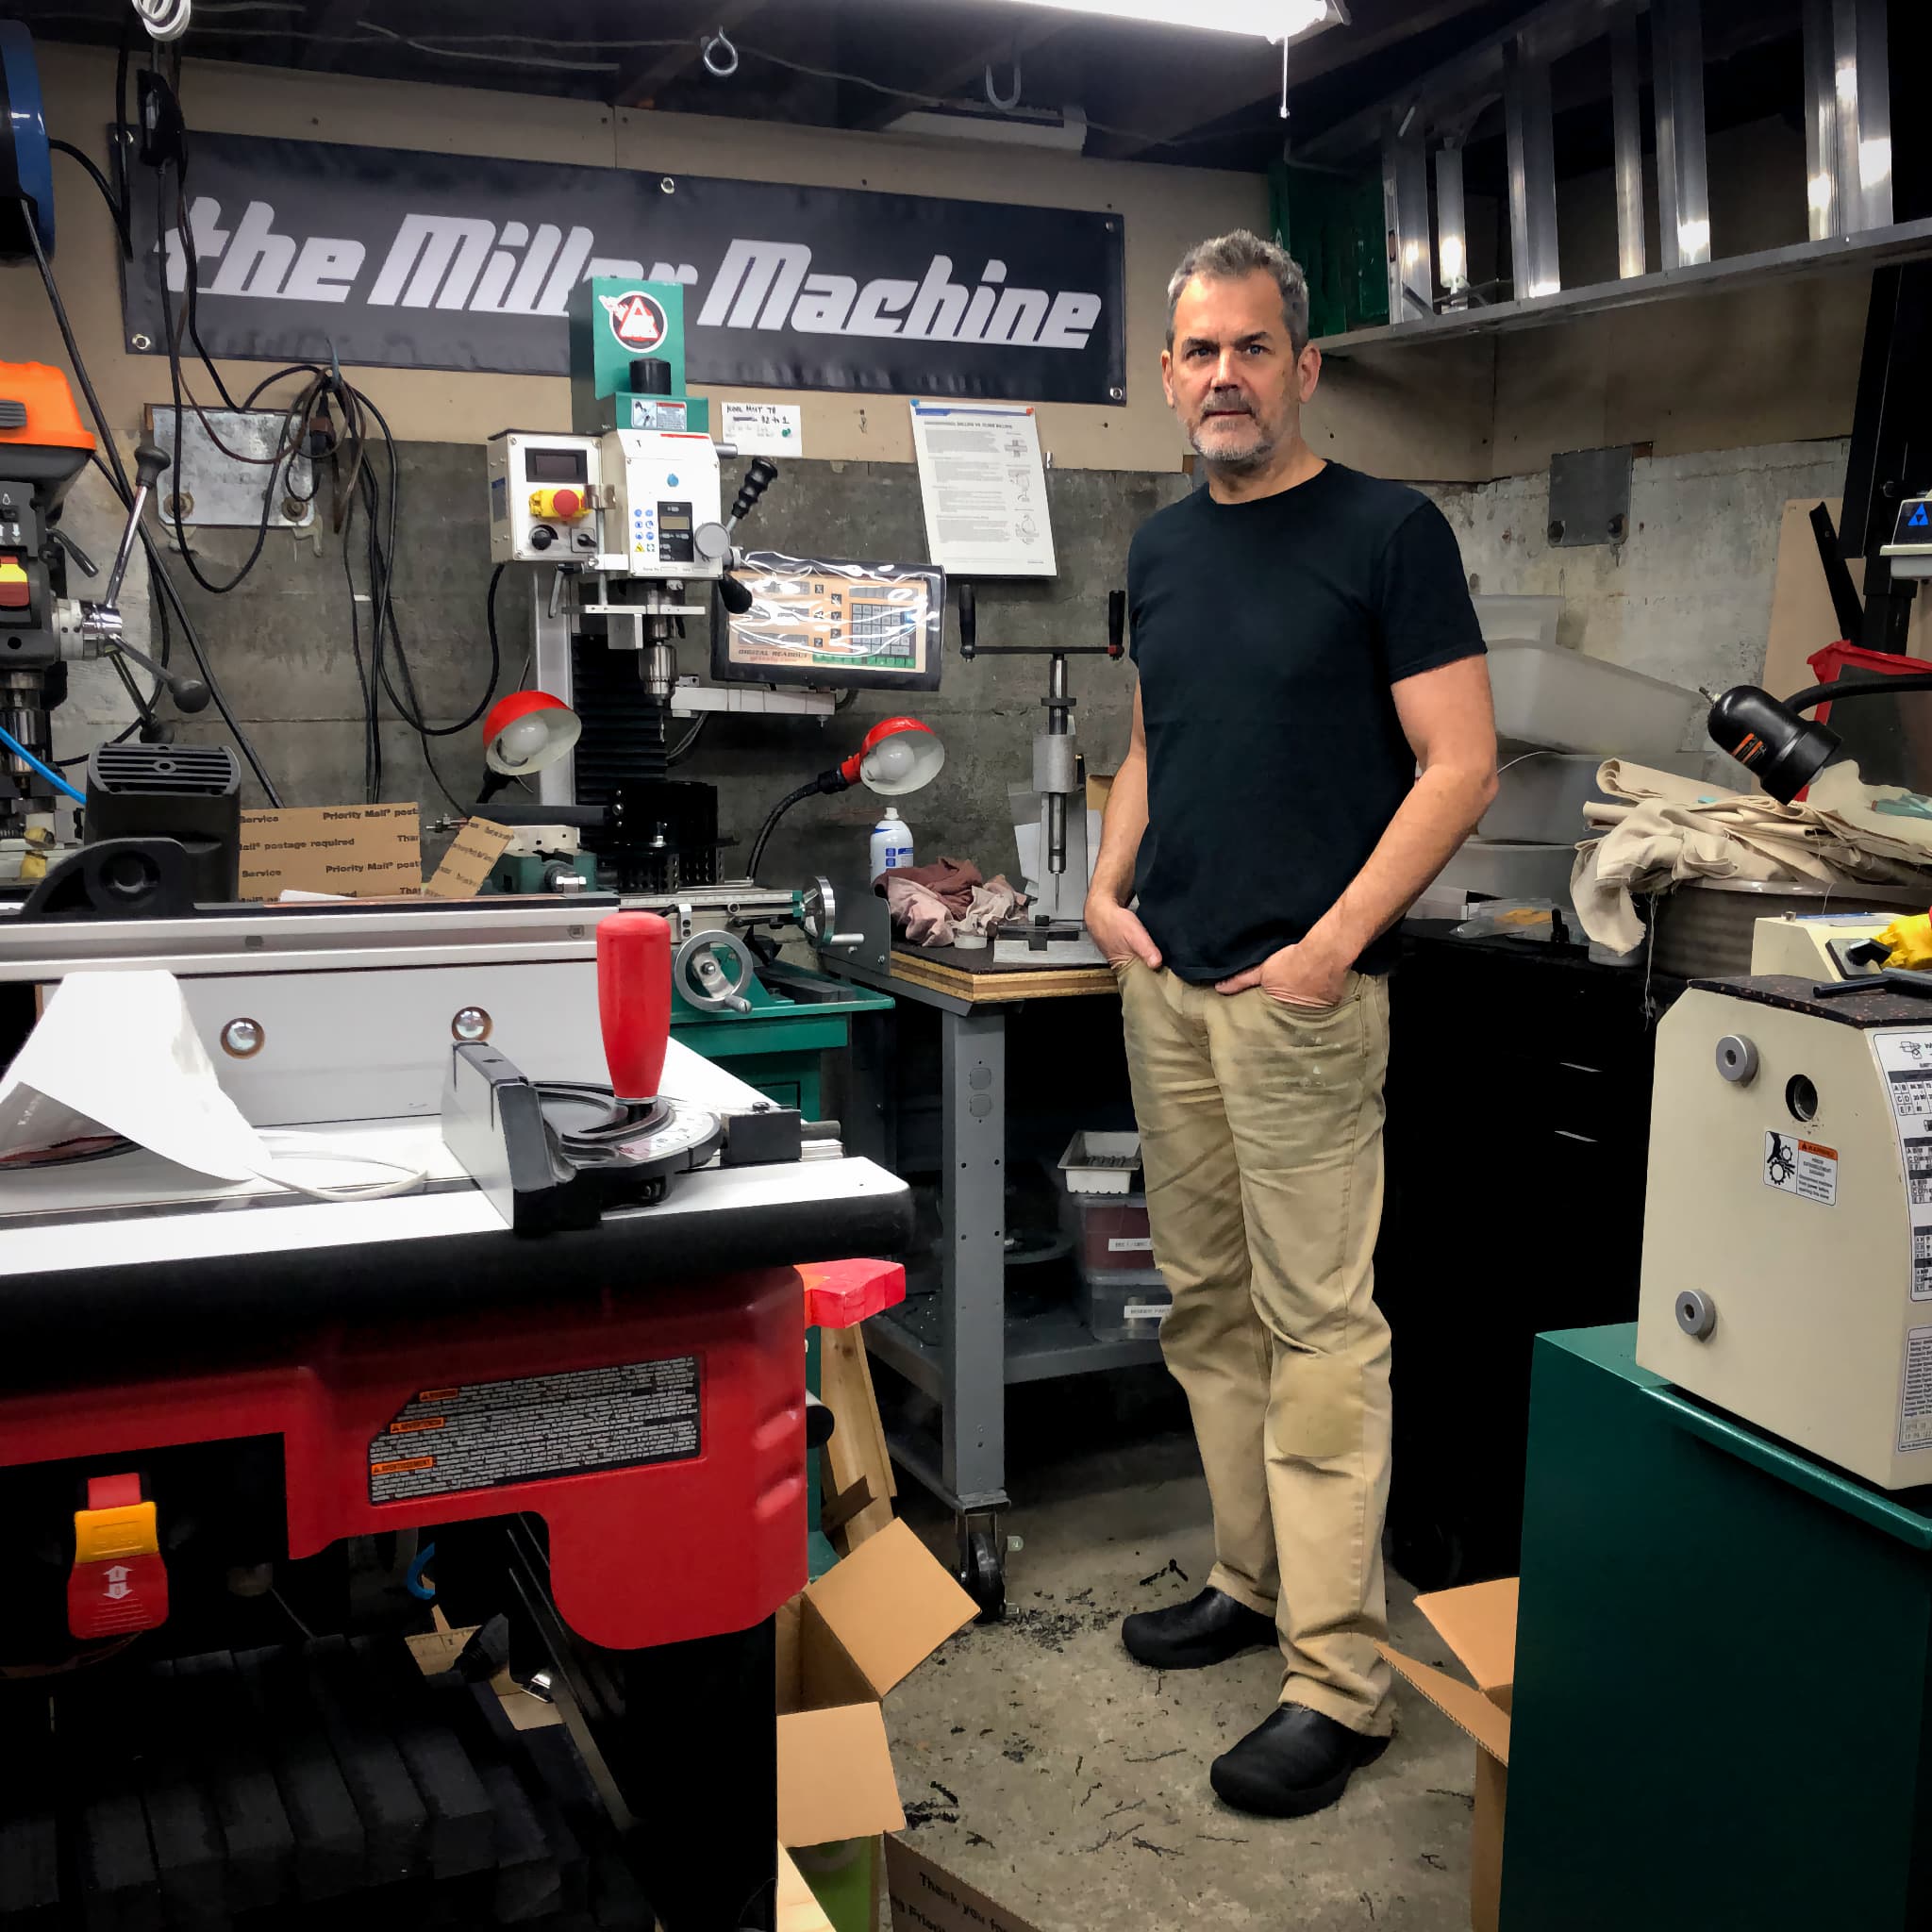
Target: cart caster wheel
(985, 1577)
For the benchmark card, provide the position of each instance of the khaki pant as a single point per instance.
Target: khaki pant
(1261, 1139)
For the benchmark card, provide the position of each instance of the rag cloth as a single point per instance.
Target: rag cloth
(932, 905)
(1664, 830)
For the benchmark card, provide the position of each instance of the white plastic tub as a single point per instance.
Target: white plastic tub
(1518, 620)
(1508, 869)
(1102, 1163)
(1540, 795)
(1567, 702)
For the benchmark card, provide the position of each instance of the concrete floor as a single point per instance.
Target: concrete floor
(1040, 1763)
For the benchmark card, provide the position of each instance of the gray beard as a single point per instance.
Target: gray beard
(1244, 465)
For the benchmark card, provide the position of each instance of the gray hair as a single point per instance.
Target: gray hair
(1232, 259)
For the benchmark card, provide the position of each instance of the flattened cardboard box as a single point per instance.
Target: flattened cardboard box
(360, 851)
(1478, 1624)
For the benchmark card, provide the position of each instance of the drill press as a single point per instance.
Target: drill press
(1055, 931)
(43, 447)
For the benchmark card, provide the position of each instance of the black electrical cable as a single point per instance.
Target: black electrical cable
(158, 570)
(490, 619)
(410, 711)
(386, 631)
(191, 276)
(688, 742)
(159, 580)
(771, 823)
(66, 328)
(290, 435)
(100, 181)
(371, 772)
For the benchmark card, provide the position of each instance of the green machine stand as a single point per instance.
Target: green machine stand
(1723, 1704)
(796, 1016)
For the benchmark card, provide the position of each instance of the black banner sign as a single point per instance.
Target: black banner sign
(414, 260)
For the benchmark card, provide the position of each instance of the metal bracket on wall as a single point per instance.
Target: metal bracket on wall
(1589, 496)
(222, 484)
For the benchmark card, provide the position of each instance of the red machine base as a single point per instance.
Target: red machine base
(661, 1434)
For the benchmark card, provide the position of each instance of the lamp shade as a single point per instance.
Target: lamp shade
(526, 731)
(899, 755)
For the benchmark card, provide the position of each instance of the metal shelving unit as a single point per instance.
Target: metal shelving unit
(1849, 166)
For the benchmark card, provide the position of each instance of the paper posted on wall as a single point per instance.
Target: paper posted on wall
(984, 484)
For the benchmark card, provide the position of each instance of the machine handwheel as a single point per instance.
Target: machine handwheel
(984, 1576)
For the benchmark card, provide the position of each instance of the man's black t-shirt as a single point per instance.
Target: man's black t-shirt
(1268, 635)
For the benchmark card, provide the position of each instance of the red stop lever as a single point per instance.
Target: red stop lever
(634, 1000)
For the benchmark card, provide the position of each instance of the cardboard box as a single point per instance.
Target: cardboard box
(798, 1910)
(360, 851)
(844, 1642)
(1478, 1624)
(927, 1898)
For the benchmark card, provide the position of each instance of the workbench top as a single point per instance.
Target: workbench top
(973, 975)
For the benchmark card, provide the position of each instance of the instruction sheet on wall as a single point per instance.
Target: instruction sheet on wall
(984, 484)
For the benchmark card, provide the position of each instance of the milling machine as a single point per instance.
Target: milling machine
(625, 515)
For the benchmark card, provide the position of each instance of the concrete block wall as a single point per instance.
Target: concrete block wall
(281, 646)
(1687, 598)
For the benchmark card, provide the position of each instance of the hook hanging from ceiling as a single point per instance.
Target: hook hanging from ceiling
(1007, 104)
(716, 50)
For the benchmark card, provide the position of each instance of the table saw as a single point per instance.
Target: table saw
(584, 1382)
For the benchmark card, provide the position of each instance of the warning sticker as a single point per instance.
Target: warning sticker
(1915, 1399)
(487, 1434)
(1801, 1167)
(1905, 1062)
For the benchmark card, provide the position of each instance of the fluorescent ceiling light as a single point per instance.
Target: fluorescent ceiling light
(1272, 20)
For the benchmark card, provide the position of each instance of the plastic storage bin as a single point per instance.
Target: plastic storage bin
(1541, 796)
(1110, 1232)
(1101, 1163)
(1518, 620)
(1125, 1308)
(1546, 696)
(1498, 871)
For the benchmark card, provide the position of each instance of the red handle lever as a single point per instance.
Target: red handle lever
(634, 1000)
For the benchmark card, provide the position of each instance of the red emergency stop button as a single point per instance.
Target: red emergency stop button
(559, 506)
(14, 584)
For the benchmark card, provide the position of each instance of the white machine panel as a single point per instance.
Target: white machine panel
(1801, 945)
(1808, 1240)
(666, 515)
(526, 471)
(350, 1046)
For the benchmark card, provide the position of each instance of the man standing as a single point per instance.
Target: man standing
(1312, 739)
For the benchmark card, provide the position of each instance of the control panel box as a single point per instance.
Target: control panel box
(634, 503)
(665, 504)
(546, 500)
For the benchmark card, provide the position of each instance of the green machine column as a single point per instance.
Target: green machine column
(1722, 1706)
(615, 324)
